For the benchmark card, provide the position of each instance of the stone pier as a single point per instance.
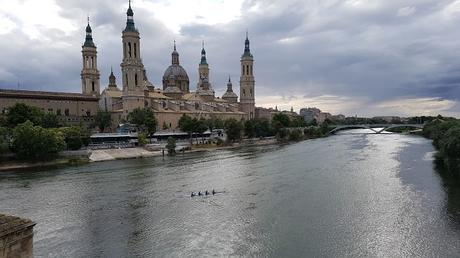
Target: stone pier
(16, 237)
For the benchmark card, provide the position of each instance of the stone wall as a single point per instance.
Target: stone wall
(16, 237)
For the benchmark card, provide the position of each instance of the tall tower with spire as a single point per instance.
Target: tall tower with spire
(247, 82)
(132, 68)
(204, 88)
(90, 83)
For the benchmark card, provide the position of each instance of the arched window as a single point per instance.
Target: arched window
(251, 69)
(129, 49)
(135, 79)
(92, 63)
(124, 50)
(250, 93)
(92, 86)
(126, 76)
(135, 50)
(244, 93)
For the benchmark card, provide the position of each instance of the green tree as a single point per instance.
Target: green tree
(102, 120)
(50, 121)
(250, 128)
(36, 142)
(144, 118)
(75, 137)
(233, 129)
(4, 140)
(20, 113)
(279, 122)
(186, 124)
(171, 146)
(141, 139)
(295, 135)
(298, 121)
(201, 126)
(263, 128)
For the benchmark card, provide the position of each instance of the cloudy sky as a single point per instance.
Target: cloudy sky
(356, 57)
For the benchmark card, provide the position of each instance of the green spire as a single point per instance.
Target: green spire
(89, 36)
(247, 51)
(203, 55)
(130, 19)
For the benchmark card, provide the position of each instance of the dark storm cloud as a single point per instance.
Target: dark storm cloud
(373, 50)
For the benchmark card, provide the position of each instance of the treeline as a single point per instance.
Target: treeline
(445, 134)
(30, 133)
(281, 126)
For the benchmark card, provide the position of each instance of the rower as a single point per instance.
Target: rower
(199, 193)
(206, 193)
(213, 192)
(192, 194)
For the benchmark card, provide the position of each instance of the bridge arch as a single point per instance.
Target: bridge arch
(381, 127)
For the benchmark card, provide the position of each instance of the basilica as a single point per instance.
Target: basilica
(174, 97)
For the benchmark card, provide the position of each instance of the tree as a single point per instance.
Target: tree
(250, 128)
(171, 145)
(75, 137)
(50, 121)
(279, 122)
(283, 119)
(295, 135)
(233, 128)
(20, 113)
(263, 128)
(102, 120)
(141, 139)
(186, 124)
(200, 126)
(4, 140)
(34, 142)
(298, 121)
(144, 118)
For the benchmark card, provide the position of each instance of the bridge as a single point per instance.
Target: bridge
(376, 128)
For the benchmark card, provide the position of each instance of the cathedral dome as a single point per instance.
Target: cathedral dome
(177, 71)
(176, 74)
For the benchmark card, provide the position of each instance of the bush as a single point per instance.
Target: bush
(233, 128)
(142, 139)
(295, 135)
(75, 137)
(171, 145)
(4, 140)
(36, 142)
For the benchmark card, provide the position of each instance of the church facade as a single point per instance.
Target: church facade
(175, 96)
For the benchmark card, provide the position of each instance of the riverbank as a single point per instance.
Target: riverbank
(85, 156)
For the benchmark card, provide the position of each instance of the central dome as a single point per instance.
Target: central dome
(180, 77)
(177, 74)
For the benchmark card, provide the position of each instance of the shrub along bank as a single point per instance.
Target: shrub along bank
(446, 139)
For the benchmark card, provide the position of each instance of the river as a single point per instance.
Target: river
(349, 195)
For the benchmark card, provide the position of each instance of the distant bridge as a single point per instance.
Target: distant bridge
(376, 128)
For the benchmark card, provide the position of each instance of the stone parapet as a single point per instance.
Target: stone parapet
(16, 237)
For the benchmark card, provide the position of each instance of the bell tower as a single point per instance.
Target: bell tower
(90, 83)
(132, 68)
(247, 82)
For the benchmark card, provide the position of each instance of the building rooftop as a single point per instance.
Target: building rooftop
(8, 93)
